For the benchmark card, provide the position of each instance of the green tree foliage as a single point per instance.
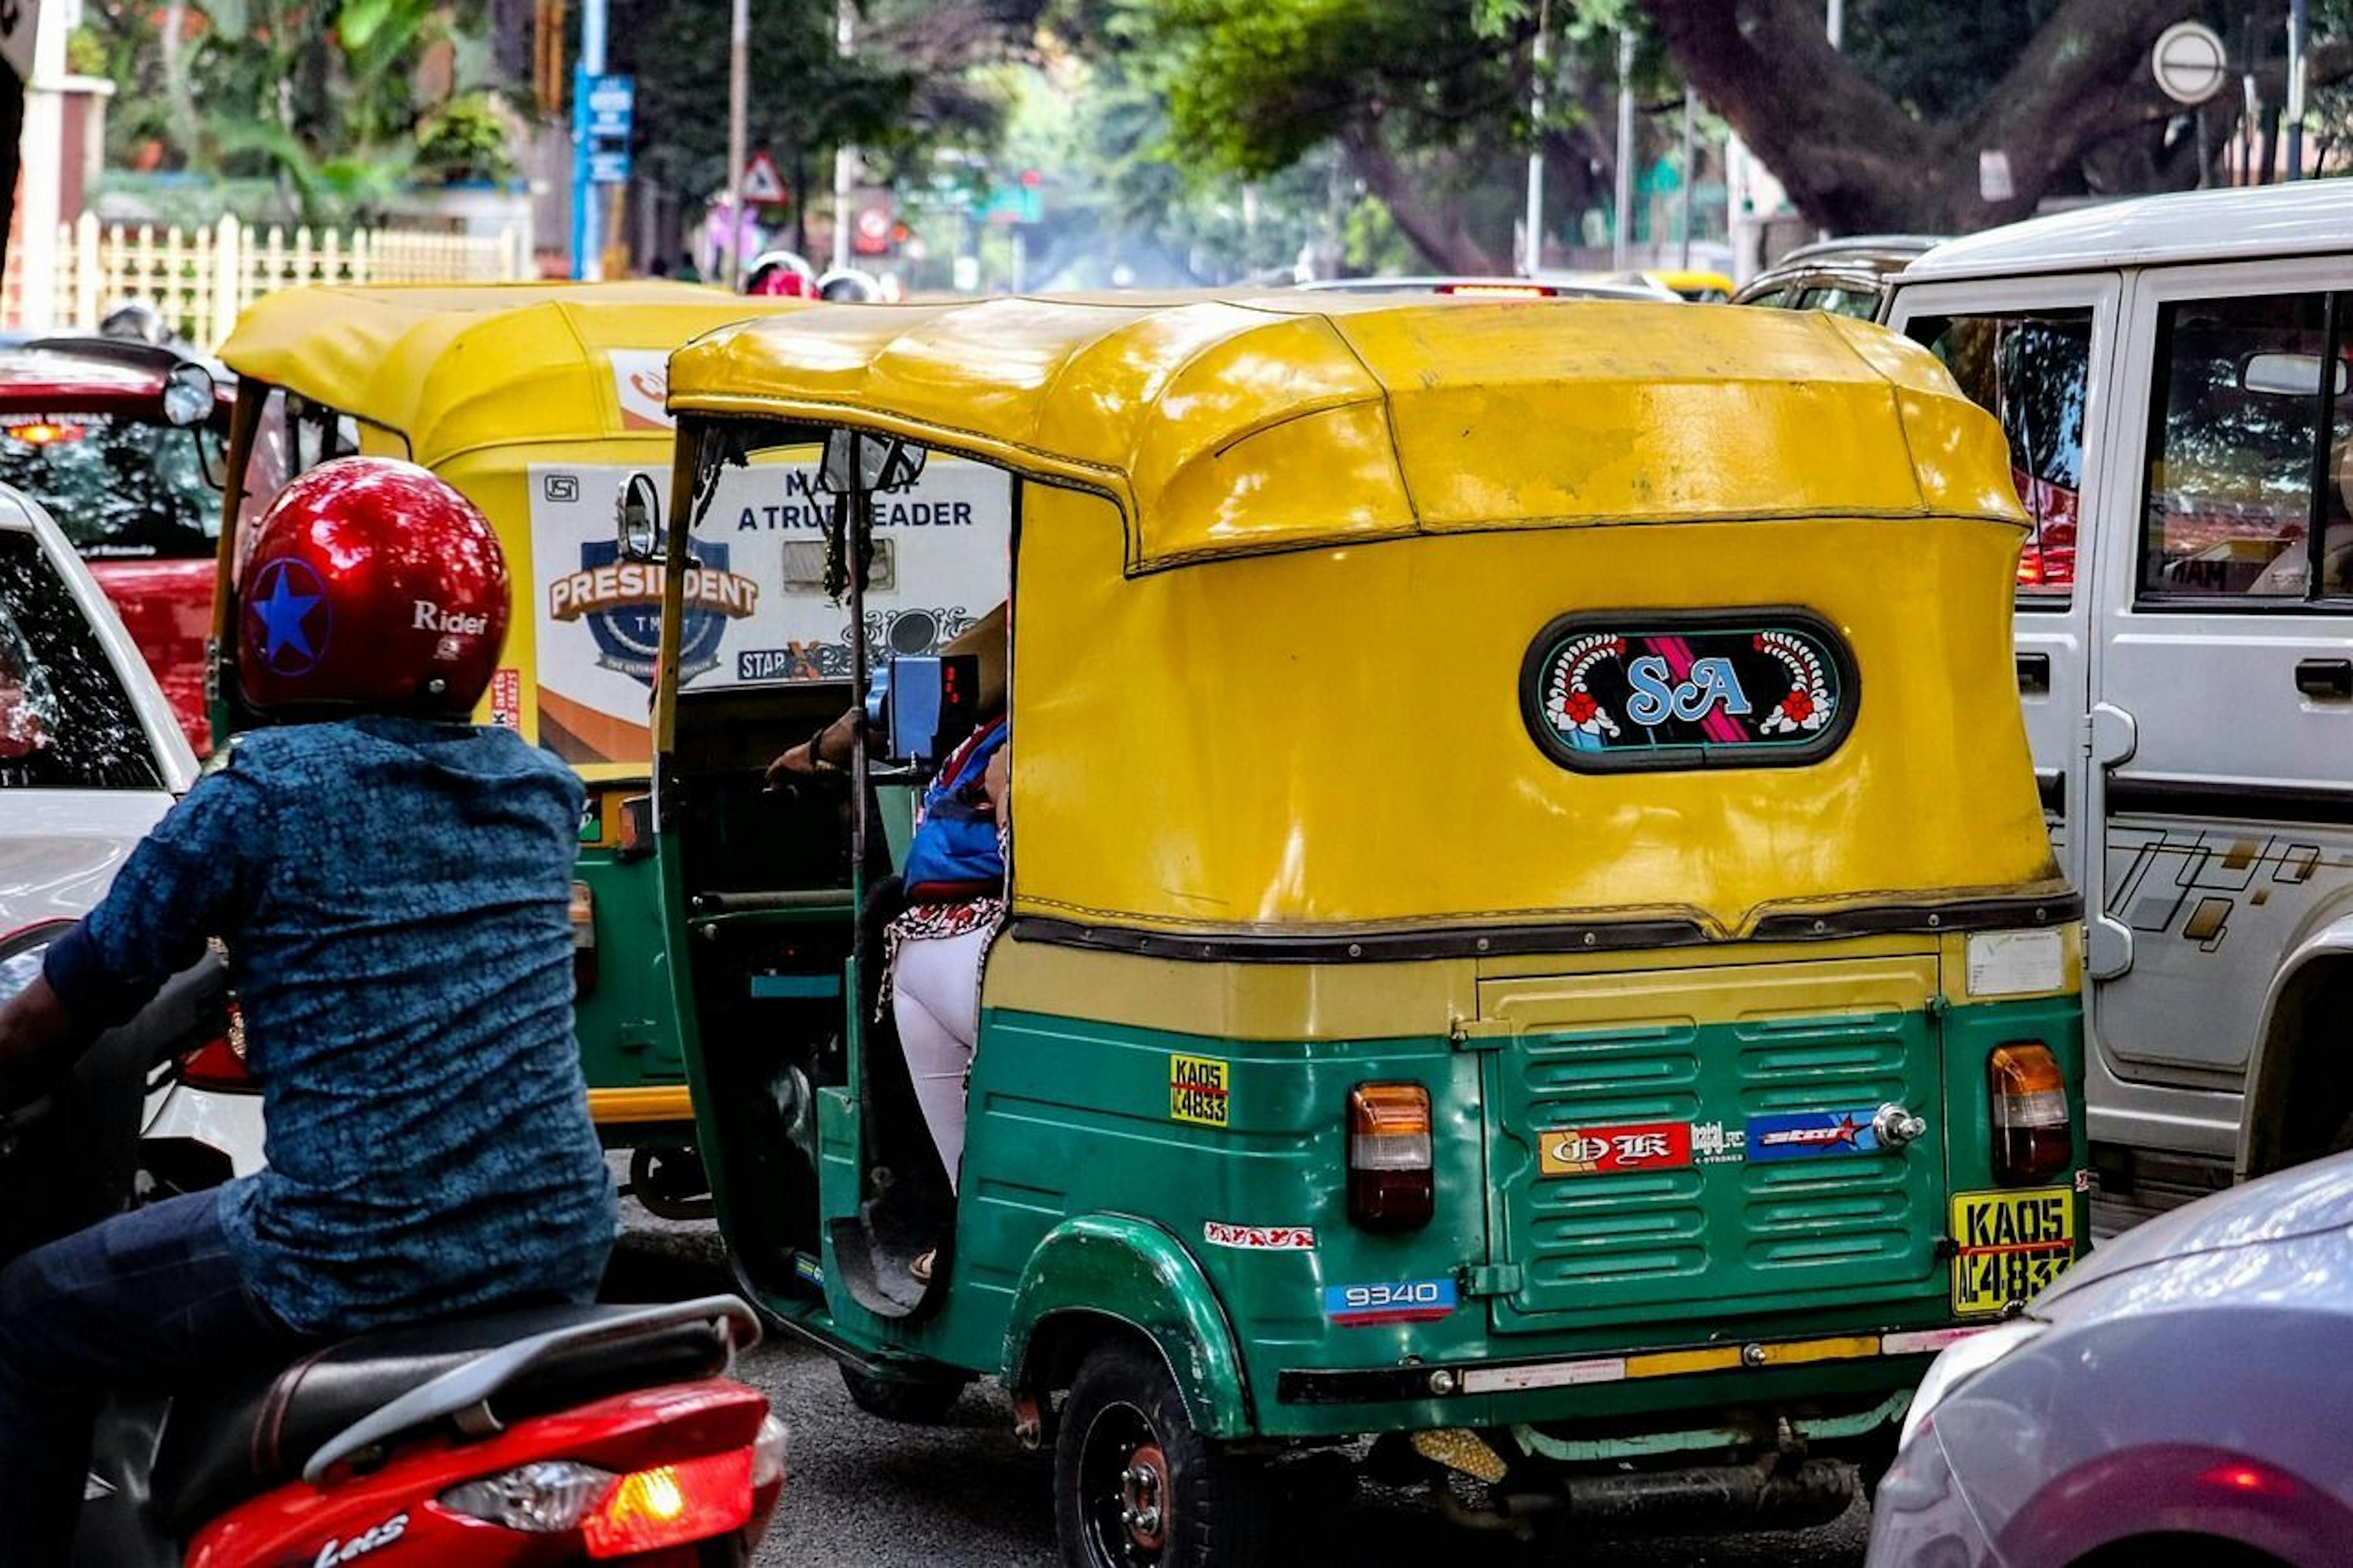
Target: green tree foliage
(1892, 134)
(321, 97)
(908, 85)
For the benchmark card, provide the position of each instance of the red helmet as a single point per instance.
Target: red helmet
(370, 585)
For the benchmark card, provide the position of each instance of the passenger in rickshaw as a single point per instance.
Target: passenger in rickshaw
(952, 897)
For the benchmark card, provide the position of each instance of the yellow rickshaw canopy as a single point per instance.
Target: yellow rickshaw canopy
(453, 368)
(1237, 426)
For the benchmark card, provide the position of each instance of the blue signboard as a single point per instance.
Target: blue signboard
(612, 106)
(608, 168)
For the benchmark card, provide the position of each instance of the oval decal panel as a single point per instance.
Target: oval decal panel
(1743, 689)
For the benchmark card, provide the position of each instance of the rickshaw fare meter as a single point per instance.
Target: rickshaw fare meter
(923, 704)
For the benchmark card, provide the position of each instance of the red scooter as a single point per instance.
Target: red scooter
(533, 1435)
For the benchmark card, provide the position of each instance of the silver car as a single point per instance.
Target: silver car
(90, 757)
(2176, 1398)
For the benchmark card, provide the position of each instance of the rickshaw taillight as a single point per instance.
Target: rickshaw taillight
(2034, 1137)
(1389, 1182)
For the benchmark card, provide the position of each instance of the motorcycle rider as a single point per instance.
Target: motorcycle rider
(392, 884)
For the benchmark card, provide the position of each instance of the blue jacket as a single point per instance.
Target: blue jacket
(393, 896)
(955, 853)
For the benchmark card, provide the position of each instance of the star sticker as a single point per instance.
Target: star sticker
(281, 619)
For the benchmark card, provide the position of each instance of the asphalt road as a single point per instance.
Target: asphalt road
(867, 1493)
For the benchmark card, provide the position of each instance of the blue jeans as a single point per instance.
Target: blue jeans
(147, 1301)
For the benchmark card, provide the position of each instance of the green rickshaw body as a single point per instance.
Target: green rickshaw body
(1610, 749)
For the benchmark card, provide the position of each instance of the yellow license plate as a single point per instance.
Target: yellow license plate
(2011, 1245)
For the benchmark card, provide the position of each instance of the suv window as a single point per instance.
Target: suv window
(2028, 368)
(2249, 453)
(119, 486)
(66, 722)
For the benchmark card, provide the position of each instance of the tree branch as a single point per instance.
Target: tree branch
(1436, 229)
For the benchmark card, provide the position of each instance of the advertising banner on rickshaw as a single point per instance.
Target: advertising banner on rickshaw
(756, 610)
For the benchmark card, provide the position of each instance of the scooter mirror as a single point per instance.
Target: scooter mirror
(636, 520)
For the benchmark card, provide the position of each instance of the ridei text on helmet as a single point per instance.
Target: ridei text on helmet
(432, 617)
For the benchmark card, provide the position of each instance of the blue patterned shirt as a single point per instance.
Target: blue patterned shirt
(393, 896)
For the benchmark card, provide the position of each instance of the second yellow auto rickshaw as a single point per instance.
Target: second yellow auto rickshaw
(536, 401)
(1530, 935)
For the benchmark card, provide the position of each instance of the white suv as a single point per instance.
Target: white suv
(2171, 372)
(90, 757)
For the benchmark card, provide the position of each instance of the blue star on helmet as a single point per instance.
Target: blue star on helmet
(281, 619)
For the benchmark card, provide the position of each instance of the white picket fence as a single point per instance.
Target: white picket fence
(200, 278)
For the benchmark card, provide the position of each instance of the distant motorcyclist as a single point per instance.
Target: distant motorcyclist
(391, 883)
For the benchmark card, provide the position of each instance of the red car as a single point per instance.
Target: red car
(125, 445)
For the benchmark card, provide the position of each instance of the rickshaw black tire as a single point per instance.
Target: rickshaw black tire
(1218, 1504)
(917, 1401)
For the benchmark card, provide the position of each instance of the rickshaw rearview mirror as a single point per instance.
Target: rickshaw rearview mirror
(923, 704)
(2287, 375)
(636, 520)
(859, 460)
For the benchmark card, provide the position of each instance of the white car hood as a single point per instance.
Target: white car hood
(59, 848)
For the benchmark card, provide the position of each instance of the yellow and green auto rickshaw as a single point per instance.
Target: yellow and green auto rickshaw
(1530, 933)
(537, 401)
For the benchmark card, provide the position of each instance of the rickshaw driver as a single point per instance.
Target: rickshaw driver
(393, 882)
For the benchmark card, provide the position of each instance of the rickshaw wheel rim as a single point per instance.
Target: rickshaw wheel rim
(1125, 1487)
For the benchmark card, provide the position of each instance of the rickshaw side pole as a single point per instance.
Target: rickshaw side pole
(852, 510)
(244, 430)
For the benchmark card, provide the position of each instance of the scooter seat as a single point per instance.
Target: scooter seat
(226, 1444)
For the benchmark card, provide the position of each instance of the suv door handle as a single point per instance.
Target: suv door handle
(2034, 673)
(2325, 678)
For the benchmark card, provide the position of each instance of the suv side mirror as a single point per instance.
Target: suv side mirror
(636, 520)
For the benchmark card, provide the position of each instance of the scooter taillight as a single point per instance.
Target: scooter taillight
(647, 1511)
(673, 1505)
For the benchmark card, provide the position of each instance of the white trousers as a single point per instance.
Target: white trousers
(936, 1001)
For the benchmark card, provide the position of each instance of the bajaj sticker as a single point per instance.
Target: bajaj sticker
(1260, 1237)
(1713, 1143)
(2010, 1244)
(1610, 1150)
(1754, 688)
(1811, 1134)
(1404, 1301)
(1196, 1090)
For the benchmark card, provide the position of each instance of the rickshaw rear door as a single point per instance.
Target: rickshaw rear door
(1698, 1137)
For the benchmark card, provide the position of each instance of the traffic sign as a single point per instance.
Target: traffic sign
(612, 105)
(608, 168)
(762, 187)
(2189, 62)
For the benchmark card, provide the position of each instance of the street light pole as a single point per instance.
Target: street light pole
(2298, 31)
(1542, 68)
(587, 199)
(739, 51)
(1624, 191)
(845, 157)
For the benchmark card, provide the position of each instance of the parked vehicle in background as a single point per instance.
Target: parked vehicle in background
(125, 444)
(2172, 374)
(2164, 1402)
(90, 757)
(1700, 286)
(1593, 286)
(1845, 276)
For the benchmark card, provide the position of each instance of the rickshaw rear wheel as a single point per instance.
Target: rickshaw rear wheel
(922, 1400)
(1136, 1486)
